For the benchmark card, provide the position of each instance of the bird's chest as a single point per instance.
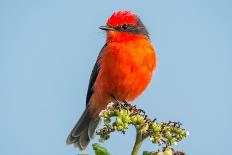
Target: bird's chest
(126, 68)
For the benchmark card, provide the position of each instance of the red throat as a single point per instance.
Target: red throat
(115, 36)
(122, 17)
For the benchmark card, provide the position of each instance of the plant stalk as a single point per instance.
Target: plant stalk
(138, 142)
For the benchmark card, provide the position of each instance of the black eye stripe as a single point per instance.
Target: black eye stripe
(135, 29)
(125, 27)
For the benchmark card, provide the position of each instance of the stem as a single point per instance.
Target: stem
(138, 143)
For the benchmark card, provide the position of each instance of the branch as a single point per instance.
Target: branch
(161, 133)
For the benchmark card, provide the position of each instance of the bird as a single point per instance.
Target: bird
(122, 71)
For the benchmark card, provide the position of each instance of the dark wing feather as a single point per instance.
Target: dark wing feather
(93, 76)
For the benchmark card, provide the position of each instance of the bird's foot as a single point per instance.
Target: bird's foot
(120, 104)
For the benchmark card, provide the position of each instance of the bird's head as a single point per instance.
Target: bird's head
(124, 26)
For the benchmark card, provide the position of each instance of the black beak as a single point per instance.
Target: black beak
(106, 28)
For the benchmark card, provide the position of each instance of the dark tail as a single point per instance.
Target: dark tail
(83, 131)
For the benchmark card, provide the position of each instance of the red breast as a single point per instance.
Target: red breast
(126, 68)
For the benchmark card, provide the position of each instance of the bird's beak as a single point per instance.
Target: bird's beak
(106, 28)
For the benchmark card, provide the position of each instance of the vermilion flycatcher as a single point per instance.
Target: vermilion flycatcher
(122, 71)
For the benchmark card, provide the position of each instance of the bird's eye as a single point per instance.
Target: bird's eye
(124, 27)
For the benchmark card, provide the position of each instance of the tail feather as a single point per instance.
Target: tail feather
(83, 131)
(92, 127)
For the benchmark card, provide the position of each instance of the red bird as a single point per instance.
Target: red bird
(122, 71)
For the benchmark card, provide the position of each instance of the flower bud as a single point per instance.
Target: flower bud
(140, 119)
(160, 153)
(134, 119)
(118, 121)
(167, 151)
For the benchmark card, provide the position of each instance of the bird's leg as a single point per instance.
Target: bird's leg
(117, 102)
(125, 102)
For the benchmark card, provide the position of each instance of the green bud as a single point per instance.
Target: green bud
(112, 113)
(157, 138)
(144, 129)
(168, 135)
(118, 121)
(168, 151)
(156, 128)
(125, 119)
(125, 125)
(120, 128)
(107, 120)
(172, 141)
(122, 112)
(134, 119)
(160, 153)
(117, 113)
(140, 119)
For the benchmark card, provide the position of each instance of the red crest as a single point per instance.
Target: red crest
(122, 17)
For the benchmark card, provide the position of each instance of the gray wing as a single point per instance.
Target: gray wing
(93, 76)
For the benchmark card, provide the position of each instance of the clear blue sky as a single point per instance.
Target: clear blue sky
(47, 51)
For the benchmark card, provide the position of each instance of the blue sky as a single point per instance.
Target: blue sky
(47, 51)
